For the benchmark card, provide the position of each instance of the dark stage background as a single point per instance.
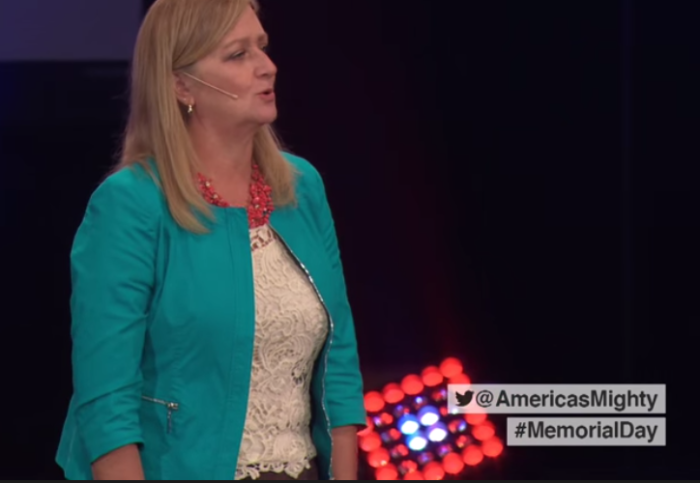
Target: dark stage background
(514, 183)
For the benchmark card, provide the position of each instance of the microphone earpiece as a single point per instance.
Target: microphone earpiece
(233, 96)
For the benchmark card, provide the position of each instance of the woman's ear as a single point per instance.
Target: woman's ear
(182, 89)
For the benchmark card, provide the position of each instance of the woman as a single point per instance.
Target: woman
(212, 333)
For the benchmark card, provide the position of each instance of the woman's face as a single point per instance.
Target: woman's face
(241, 67)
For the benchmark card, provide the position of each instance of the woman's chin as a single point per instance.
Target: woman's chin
(261, 118)
(266, 114)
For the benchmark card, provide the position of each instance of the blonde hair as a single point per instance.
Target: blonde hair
(174, 35)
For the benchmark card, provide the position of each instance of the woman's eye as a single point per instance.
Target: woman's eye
(240, 55)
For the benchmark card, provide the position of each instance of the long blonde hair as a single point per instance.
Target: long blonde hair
(174, 35)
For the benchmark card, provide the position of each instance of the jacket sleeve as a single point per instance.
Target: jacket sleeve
(344, 385)
(112, 270)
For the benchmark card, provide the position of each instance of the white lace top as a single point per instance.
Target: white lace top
(291, 328)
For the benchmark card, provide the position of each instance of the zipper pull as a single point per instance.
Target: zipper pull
(171, 407)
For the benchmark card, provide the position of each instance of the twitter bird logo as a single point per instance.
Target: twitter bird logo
(463, 400)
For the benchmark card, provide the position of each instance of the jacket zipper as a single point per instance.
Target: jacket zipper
(330, 340)
(172, 407)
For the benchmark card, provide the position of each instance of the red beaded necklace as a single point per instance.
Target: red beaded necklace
(260, 205)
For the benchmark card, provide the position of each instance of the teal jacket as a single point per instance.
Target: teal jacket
(163, 324)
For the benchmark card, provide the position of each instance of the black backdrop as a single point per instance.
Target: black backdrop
(514, 183)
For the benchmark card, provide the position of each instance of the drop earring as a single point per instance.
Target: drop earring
(190, 109)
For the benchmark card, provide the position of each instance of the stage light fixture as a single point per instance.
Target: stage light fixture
(412, 436)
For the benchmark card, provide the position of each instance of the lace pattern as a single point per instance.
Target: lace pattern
(291, 328)
(260, 238)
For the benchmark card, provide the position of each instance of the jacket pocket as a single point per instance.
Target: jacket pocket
(172, 407)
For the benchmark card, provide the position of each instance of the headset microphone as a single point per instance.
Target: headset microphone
(232, 96)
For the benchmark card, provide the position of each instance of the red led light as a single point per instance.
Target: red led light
(388, 472)
(484, 431)
(492, 447)
(434, 471)
(379, 457)
(451, 367)
(374, 402)
(460, 379)
(370, 442)
(453, 464)
(432, 376)
(472, 455)
(475, 419)
(412, 385)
